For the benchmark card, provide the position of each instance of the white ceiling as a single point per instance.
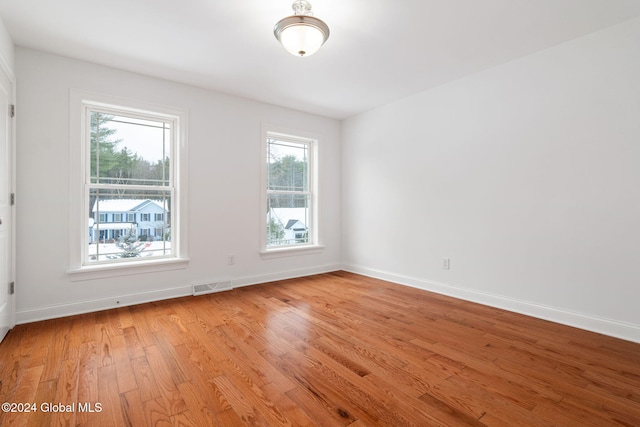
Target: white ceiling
(378, 51)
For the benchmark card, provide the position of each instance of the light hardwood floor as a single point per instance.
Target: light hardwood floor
(334, 350)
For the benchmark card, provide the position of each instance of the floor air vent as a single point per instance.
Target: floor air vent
(210, 288)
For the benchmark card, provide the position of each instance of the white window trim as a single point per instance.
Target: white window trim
(78, 161)
(315, 246)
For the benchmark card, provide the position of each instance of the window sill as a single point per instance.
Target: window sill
(291, 251)
(103, 271)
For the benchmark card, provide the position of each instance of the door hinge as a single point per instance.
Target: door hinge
(12, 198)
(12, 288)
(12, 110)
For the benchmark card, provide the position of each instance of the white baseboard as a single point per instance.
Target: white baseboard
(284, 275)
(626, 331)
(88, 306)
(614, 328)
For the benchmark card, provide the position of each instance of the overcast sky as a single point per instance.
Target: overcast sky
(145, 141)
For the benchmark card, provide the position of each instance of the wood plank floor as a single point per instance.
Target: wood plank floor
(335, 349)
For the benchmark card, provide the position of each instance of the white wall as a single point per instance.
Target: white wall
(224, 188)
(526, 175)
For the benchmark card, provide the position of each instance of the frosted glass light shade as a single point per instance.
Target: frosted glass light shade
(301, 35)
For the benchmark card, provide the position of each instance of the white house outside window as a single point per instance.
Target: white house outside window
(289, 192)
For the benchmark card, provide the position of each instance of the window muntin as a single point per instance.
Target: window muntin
(289, 192)
(129, 171)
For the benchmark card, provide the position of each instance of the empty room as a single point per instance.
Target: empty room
(320, 213)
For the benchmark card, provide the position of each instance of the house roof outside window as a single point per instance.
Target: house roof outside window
(287, 215)
(125, 205)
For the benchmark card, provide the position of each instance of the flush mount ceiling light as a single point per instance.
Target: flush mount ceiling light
(301, 34)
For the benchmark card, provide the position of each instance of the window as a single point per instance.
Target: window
(289, 192)
(145, 217)
(129, 168)
(159, 217)
(132, 159)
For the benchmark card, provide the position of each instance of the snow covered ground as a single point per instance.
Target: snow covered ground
(108, 251)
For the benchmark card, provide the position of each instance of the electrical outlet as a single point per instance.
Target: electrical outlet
(231, 259)
(446, 263)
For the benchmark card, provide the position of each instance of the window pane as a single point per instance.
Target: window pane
(110, 238)
(288, 166)
(287, 219)
(127, 150)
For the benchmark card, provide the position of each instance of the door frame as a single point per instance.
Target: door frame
(11, 176)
